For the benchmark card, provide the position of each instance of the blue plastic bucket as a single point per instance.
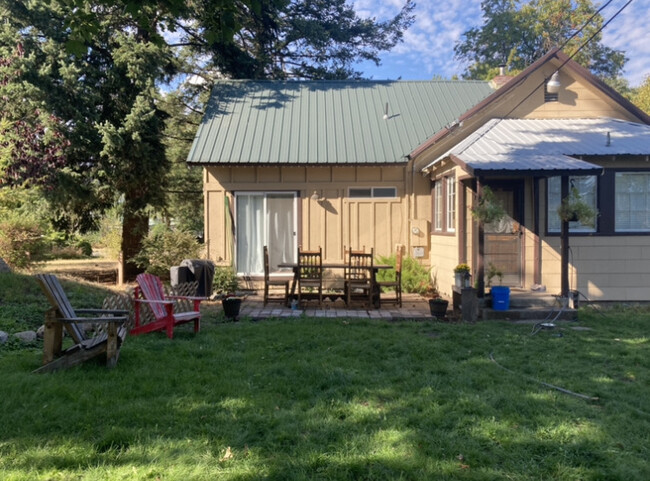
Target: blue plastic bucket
(500, 298)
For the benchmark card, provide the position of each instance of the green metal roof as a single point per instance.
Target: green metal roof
(326, 122)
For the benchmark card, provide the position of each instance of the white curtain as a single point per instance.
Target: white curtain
(264, 219)
(249, 230)
(632, 201)
(281, 229)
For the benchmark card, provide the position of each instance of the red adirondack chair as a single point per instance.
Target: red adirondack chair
(150, 291)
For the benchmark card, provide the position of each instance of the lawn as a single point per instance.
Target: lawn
(339, 399)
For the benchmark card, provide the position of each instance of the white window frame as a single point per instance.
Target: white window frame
(438, 205)
(450, 205)
(265, 234)
(625, 198)
(373, 192)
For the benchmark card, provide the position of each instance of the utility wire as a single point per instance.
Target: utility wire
(483, 134)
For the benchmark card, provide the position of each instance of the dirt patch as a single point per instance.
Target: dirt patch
(100, 271)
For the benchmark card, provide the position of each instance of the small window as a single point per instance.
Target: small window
(389, 192)
(372, 192)
(357, 193)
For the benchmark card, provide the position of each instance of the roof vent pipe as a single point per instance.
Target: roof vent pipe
(502, 69)
(609, 140)
(386, 112)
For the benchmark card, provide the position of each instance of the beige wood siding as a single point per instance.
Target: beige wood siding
(333, 222)
(602, 268)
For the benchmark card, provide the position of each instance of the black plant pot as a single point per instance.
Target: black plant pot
(438, 307)
(231, 307)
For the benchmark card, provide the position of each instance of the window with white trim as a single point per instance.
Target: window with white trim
(587, 188)
(444, 204)
(372, 192)
(451, 203)
(632, 202)
(437, 197)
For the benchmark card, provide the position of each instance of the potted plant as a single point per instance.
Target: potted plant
(226, 284)
(428, 288)
(462, 275)
(573, 208)
(487, 209)
(438, 307)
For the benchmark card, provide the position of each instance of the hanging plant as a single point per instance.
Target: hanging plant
(488, 210)
(573, 208)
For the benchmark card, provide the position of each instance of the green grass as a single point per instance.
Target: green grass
(339, 399)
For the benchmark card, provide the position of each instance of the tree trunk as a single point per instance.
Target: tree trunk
(135, 227)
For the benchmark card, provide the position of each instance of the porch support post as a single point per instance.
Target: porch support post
(564, 242)
(537, 246)
(480, 267)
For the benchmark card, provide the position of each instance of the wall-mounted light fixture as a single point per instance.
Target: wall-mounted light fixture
(553, 85)
(316, 197)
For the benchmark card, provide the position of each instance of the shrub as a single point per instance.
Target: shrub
(109, 235)
(85, 248)
(164, 248)
(225, 280)
(415, 277)
(21, 241)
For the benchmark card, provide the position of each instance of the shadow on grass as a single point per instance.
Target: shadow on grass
(324, 399)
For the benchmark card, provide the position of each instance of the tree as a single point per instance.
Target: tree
(106, 99)
(516, 33)
(307, 39)
(641, 96)
(276, 39)
(94, 70)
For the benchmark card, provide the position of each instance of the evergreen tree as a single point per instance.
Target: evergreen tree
(89, 76)
(105, 96)
(305, 39)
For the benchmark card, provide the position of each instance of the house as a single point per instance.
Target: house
(365, 163)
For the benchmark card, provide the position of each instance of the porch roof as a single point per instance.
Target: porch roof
(546, 146)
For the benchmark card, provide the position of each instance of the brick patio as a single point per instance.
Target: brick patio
(414, 307)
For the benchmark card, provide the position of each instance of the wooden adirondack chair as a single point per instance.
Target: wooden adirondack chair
(63, 315)
(150, 291)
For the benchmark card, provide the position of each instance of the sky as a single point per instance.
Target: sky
(428, 47)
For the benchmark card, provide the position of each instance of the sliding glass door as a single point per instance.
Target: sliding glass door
(264, 218)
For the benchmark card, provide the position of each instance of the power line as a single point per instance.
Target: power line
(562, 64)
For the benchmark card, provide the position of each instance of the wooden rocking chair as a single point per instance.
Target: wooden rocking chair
(150, 291)
(63, 315)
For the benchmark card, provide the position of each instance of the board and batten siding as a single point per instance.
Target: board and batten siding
(334, 222)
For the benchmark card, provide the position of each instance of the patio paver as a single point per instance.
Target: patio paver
(414, 307)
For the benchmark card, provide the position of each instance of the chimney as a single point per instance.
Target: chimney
(501, 79)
